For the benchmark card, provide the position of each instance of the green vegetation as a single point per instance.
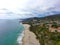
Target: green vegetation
(44, 36)
(40, 27)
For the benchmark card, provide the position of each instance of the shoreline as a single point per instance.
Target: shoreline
(29, 37)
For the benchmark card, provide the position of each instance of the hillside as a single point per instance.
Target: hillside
(47, 18)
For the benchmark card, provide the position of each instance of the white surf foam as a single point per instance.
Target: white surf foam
(20, 37)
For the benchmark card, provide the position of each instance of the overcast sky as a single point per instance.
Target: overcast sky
(27, 8)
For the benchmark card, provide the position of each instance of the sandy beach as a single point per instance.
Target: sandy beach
(29, 37)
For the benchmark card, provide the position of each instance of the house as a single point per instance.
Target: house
(53, 29)
(58, 29)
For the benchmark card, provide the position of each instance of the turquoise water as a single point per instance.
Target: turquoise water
(9, 32)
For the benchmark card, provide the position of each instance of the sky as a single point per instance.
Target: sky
(28, 8)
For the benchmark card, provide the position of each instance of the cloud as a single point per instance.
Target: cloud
(44, 7)
(7, 14)
(28, 8)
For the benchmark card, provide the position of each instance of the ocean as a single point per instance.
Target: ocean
(11, 32)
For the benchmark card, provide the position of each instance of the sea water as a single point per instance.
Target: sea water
(10, 30)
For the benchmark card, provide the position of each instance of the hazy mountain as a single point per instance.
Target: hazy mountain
(46, 18)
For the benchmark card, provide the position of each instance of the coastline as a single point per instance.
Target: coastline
(29, 37)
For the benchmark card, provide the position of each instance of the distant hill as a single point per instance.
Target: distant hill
(47, 18)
